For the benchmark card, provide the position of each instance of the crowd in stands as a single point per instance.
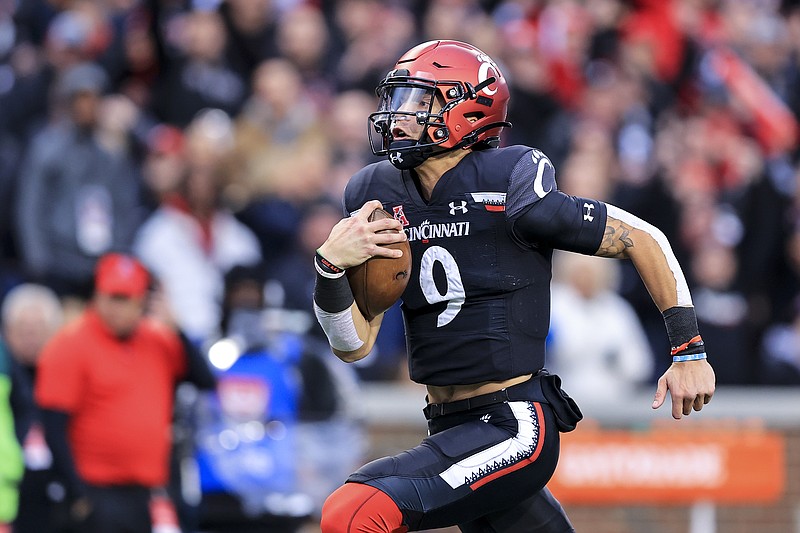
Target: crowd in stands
(205, 134)
(214, 137)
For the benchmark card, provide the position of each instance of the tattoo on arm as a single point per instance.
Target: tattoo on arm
(616, 239)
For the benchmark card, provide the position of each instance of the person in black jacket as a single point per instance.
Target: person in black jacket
(31, 314)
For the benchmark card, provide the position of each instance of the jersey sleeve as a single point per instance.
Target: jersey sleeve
(355, 192)
(532, 178)
(59, 375)
(541, 215)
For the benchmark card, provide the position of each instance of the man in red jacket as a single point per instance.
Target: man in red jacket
(106, 383)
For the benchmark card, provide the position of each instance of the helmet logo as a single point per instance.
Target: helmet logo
(484, 72)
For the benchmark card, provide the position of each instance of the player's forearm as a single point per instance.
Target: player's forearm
(648, 249)
(350, 335)
(367, 333)
(652, 265)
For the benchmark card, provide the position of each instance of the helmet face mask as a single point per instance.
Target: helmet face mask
(409, 118)
(421, 113)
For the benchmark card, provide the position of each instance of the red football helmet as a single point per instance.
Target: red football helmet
(441, 95)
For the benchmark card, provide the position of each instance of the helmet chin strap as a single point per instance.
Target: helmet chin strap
(404, 156)
(472, 137)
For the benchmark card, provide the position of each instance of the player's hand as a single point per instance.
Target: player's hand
(690, 384)
(355, 239)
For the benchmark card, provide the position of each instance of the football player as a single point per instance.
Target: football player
(482, 223)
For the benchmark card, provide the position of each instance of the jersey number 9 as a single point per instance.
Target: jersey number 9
(454, 291)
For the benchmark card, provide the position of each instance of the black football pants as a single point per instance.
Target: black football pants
(485, 470)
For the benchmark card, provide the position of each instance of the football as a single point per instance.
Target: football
(380, 281)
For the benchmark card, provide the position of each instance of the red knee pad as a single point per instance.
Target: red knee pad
(358, 508)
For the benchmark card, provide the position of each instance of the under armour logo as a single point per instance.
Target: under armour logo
(454, 207)
(588, 214)
(395, 157)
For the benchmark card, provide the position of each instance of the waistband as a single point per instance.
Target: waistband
(530, 390)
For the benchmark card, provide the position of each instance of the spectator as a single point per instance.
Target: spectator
(201, 77)
(596, 341)
(106, 384)
(191, 240)
(164, 165)
(35, 53)
(296, 430)
(31, 314)
(722, 313)
(767, 208)
(132, 57)
(346, 118)
(780, 344)
(282, 155)
(303, 38)
(279, 125)
(538, 117)
(77, 199)
(10, 457)
(371, 34)
(250, 25)
(72, 36)
(780, 354)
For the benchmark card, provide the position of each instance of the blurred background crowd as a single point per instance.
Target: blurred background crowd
(212, 139)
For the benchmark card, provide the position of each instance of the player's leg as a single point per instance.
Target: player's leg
(358, 508)
(540, 513)
(473, 464)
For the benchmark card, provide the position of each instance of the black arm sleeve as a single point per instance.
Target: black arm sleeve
(333, 295)
(197, 370)
(562, 222)
(55, 432)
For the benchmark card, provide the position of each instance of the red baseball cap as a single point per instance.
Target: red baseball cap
(121, 275)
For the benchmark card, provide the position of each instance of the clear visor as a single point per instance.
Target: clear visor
(406, 99)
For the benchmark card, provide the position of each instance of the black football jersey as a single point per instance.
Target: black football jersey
(477, 305)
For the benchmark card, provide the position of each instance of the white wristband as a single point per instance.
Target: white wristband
(340, 329)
